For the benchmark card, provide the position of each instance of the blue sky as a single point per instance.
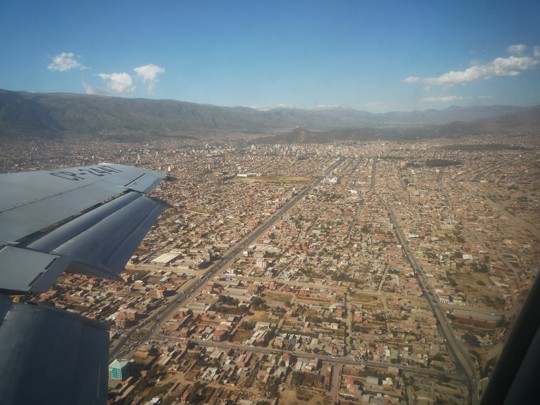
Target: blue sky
(367, 55)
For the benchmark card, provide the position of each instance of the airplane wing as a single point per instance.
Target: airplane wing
(87, 220)
(50, 356)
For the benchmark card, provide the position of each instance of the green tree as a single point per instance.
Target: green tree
(258, 303)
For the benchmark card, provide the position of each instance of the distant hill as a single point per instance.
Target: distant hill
(59, 114)
(21, 115)
(522, 122)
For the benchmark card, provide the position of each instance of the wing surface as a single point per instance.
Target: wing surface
(87, 219)
(49, 356)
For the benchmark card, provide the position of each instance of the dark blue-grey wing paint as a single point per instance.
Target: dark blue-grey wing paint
(87, 220)
(49, 356)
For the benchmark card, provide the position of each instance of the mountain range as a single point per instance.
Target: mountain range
(55, 115)
(518, 123)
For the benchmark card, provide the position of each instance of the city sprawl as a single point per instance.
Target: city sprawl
(352, 272)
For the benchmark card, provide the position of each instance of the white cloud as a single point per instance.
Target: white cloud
(413, 79)
(92, 90)
(517, 49)
(118, 82)
(330, 107)
(510, 66)
(444, 99)
(64, 62)
(89, 89)
(448, 99)
(123, 83)
(273, 107)
(148, 74)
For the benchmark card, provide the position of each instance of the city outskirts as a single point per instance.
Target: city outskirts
(344, 272)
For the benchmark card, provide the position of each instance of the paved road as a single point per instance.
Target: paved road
(347, 361)
(456, 350)
(190, 290)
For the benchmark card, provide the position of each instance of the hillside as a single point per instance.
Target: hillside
(522, 122)
(59, 115)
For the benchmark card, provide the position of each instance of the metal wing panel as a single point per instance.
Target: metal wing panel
(83, 219)
(26, 219)
(25, 188)
(23, 221)
(144, 183)
(19, 268)
(93, 226)
(68, 231)
(14, 226)
(106, 246)
(51, 356)
(99, 242)
(32, 201)
(119, 256)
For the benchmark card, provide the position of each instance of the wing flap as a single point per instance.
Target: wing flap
(19, 268)
(70, 230)
(87, 220)
(33, 201)
(92, 227)
(104, 248)
(98, 243)
(143, 184)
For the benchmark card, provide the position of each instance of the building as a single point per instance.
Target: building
(119, 369)
(262, 263)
